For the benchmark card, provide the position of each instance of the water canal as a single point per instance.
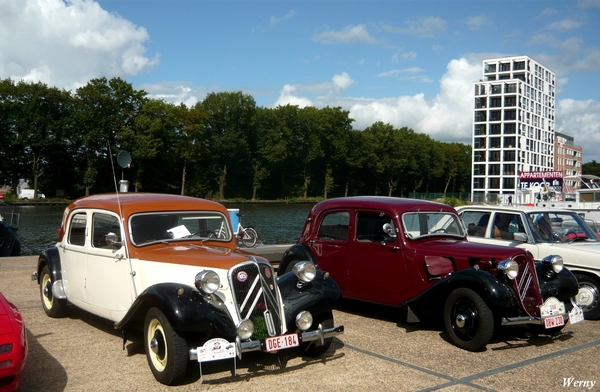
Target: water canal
(275, 223)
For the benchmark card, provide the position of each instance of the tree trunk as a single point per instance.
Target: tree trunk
(183, 180)
(222, 183)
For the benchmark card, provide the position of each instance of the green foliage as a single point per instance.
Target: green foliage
(223, 148)
(592, 168)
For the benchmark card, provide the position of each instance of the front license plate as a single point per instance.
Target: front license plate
(281, 342)
(554, 321)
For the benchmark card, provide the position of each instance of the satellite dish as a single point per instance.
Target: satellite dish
(124, 159)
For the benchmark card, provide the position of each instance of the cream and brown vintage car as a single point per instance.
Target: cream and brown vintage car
(153, 263)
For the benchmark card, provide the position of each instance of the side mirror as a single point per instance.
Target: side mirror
(522, 237)
(112, 239)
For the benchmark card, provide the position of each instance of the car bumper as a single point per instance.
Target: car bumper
(507, 321)
(318, 336)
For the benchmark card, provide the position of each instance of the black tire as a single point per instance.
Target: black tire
(250, 237)
(54, 307)
(588, 297)
(315, 348)
(468, 320)
(166, 351)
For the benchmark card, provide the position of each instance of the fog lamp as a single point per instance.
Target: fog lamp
(304, 320)
(245, 329)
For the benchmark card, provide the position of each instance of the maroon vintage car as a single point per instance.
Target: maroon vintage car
(13, 346)
(415, 254)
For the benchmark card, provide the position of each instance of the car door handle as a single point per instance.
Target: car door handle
(394, 248)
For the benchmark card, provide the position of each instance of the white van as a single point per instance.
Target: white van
(27, 194)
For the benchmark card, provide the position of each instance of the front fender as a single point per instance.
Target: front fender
(186, 309)
(317, 297)
(294, 254)
(562, 285)
(489, 287)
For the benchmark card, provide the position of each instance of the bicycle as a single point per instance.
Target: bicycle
(246, 235)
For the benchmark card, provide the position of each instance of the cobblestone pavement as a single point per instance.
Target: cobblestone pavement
(377, 352)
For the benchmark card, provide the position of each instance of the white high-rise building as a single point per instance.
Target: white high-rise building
(513, 127)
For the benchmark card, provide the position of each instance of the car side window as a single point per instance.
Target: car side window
(506, 225)
(334, 226)
(77, 229)
(369, 226)
(475, 222)
(102, 225)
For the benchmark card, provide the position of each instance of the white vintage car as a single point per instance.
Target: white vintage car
(153, 263)
(543, 231)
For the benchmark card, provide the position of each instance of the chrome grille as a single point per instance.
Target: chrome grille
(256, 297)
(527, 286)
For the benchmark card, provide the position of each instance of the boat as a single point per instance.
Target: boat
(9, 240)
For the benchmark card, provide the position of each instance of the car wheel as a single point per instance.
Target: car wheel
(313, 349)
(166, 351)
(468, 320)
(588, 297)
(54, 307)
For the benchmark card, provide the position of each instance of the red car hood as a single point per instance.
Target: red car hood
(454, 248)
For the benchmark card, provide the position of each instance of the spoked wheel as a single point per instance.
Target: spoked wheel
(250, 237)
(588, 297)
(468, 320)
(166, 351)
(313, 348)
(53, 306)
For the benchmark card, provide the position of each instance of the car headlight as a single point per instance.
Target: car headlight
(305, 271)
(207, 281)
(509, 267)
(245, 329)
(554, 262)
(304, 320)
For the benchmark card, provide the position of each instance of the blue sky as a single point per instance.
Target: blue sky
(408, 63)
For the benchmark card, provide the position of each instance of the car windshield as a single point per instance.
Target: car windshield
(559, 227)
(153, 227)
(420, 224)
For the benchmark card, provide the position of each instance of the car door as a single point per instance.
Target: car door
(375, 261)
(109, 287)
(73, 257)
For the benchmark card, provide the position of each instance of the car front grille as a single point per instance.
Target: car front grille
(527, 286)
(256, 297)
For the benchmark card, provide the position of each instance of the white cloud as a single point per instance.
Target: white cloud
(426, 27)
(276, 19)
(478, 21)
(565, 25)
(348, 35)
(449, 115)
(67, 43)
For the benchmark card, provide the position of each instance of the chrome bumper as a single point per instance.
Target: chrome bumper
(318, 335)
(528, 320)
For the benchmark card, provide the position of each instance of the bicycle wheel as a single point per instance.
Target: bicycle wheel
(250, 237)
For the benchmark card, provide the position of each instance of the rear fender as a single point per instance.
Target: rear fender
(51, 258)
(319, 296)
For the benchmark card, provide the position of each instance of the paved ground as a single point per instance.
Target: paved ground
(378, 352)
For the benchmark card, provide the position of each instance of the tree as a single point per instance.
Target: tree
(229, 125)
(592, 168)
(104, 109)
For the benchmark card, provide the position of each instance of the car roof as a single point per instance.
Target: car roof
(131, 203)
(525, 209)
(397, 204)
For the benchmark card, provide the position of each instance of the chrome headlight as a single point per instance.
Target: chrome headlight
(305, 271)
(510, 268)
(304, 320)
(554, 262)
(245, 329)
(207, 281)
